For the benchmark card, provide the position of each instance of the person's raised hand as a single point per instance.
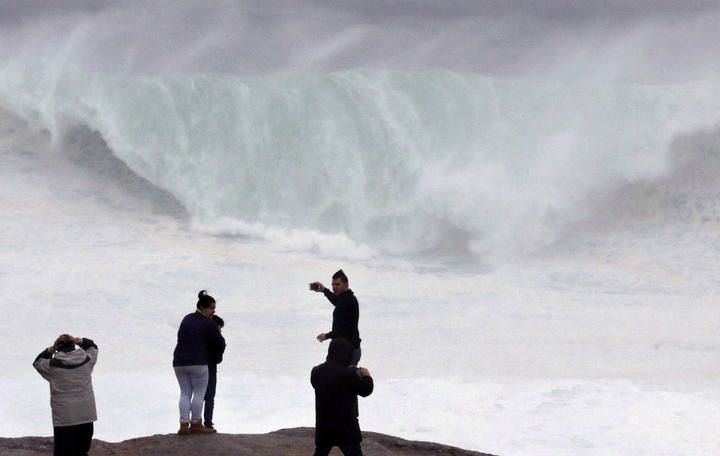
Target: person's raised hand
(62, 338)
(363, 372)
(321, 337)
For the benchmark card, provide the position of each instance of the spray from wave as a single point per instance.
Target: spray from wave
(458, 135)
(405, 162)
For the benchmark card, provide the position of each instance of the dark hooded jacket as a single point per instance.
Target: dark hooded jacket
(345, 316)
(199, 341)
(337, 387)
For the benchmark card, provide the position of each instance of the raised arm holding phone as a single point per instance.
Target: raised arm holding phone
(345, 315)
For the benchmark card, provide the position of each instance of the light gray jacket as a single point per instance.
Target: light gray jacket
(70, 375)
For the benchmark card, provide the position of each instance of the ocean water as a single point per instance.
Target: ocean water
(534, 249)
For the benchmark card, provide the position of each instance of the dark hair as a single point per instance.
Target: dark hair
(340, 275)
(66, 347)
(340, 351)
(218, 321)
(64, 343)
(204, 300)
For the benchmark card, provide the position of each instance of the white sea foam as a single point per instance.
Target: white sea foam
(553, 234)
(602, 346)
(337, 246)
(404, 162)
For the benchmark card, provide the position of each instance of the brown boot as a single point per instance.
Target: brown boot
(184, 429)
(196, 427)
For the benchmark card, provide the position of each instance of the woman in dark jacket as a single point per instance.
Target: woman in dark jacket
(198, 340)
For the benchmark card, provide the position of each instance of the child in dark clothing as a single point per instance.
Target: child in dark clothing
(215, 359)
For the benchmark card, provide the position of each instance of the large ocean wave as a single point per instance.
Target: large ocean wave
(423, 162)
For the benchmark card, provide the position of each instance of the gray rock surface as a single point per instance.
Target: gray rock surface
(285, 442)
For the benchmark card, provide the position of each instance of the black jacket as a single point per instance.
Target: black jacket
(345, 317)
(336, 406)
(199, 341)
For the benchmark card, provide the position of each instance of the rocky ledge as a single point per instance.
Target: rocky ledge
(285, 442)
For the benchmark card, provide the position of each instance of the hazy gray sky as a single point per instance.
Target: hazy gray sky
(656, 40)
(381, 10)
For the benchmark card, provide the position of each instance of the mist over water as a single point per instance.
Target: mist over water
(437, 162)
(641, 41)
(524, 193)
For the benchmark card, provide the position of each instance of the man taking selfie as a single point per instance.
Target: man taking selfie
(345, 315)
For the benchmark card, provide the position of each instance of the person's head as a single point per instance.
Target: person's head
(64, 343)
(218, 321)
(339, 282)
(340, 351)
(206, 304)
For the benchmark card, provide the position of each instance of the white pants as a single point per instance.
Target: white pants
(193, 382)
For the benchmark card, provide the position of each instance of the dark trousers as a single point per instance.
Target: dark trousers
(73, 440)
(210, 395)
(347, 450)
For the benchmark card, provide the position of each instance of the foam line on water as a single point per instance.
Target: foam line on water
(402, 161)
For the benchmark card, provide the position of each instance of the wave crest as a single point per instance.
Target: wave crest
(406, 162)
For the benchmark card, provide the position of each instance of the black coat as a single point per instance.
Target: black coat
(336, 406)
(345, 317)
(199, 341)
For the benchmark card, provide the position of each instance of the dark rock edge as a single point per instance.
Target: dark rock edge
(284, 442)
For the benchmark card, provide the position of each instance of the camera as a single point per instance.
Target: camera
(314, 286)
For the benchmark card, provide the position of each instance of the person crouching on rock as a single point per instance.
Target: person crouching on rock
(198, 341)
(68, 369)
(337, 386)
